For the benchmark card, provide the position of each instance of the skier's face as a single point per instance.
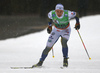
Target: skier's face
(59, 12)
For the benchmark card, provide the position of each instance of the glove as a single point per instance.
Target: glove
(49, 29)
(77, 26)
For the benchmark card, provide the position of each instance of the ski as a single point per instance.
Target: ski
(25, 67)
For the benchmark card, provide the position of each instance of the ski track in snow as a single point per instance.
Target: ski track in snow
(26, 51)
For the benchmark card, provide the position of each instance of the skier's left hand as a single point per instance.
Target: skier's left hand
(77, 26)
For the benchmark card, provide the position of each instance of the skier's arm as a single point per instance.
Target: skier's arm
(77, 18)
(49, 29)
(75, 15)
(77, 25)
(49, 22)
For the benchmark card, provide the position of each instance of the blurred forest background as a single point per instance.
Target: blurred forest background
(20, 17)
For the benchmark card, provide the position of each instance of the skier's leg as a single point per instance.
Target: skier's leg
(65, 51)
(45, 53)
(43, 56)
(51, 41)
(64, 39)
(64, 47)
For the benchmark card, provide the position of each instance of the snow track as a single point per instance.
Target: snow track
(26, 51)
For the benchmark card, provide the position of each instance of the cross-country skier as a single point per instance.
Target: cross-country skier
(60, 19)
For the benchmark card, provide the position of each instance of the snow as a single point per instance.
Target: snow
(26, 51)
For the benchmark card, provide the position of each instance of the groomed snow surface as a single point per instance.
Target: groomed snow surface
(26, 51)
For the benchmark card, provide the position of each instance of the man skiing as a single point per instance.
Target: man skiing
(60, 19)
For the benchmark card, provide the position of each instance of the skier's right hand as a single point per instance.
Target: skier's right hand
(49, 29)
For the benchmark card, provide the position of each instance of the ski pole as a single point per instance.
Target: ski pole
(52, 53)
(84, 45)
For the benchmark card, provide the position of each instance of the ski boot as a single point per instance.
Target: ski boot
(65, 62)
(39, 64)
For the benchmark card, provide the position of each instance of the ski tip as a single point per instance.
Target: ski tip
(89, 58)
